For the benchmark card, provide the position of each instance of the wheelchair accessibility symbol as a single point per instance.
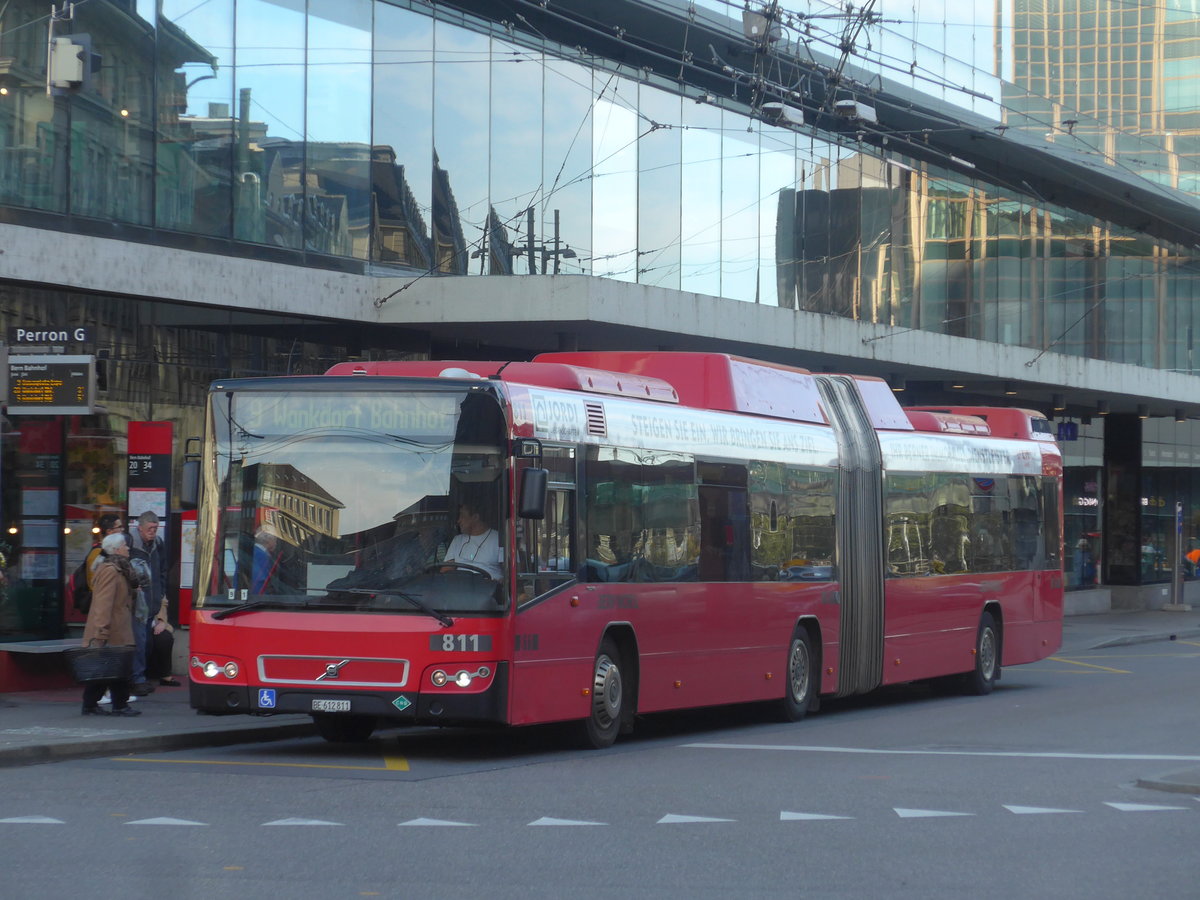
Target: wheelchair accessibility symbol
(266, 698)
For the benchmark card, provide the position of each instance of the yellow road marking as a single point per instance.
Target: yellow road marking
(1189, 643)
(1088, 665)
(394, 764)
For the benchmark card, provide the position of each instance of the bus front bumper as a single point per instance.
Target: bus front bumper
(442, 707)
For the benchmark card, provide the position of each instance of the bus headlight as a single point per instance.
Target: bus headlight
(462, 677)
(212, 669)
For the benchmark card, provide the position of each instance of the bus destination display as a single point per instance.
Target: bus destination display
(51, 385)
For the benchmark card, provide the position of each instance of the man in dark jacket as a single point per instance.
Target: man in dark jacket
(146, 545)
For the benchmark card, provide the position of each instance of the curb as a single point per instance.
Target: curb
(43, 753)
(1178, 783)
(1146, 638)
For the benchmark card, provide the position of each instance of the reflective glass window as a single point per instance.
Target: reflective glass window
(614, 178)
(269, 149)
(33, 127)
(659, 172)
(337, 210)
(777, 217)
(402, 145)
(700, 249)
(642, 516)
(111, 143)
(462, 72)
(792, 535)
(739, 210)
(517, 239)
(567, 159)
(197, 127)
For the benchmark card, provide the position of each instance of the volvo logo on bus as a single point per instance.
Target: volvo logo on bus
(332, 670)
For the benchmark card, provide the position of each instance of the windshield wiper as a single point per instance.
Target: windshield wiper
(442, 618)
(253, 604)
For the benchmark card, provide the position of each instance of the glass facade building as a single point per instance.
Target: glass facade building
(392, 137)
(375, 133)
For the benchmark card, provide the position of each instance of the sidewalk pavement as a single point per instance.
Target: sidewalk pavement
(46, 726)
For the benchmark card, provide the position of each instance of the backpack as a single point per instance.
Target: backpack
(80, 592)
(77, 585)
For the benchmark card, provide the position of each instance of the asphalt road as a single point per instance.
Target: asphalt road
(1029, 792)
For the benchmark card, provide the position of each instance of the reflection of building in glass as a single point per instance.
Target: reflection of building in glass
(402, 235)
(1122, 77)
(298, 507)
(449, 243)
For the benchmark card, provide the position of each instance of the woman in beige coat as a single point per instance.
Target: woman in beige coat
(110, 622)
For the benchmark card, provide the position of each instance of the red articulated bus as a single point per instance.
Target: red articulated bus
(660, 531)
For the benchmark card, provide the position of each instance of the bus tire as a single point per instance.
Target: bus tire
(980, 680)
(339, 729)
(599, 730)
(800, 678)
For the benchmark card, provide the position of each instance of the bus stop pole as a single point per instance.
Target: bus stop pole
(1176, 603)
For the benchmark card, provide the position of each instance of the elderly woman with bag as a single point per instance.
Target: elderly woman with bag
(110, 622)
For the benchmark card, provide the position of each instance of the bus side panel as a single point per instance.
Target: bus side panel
(554, 647)
(698, 645)
(932, 621)
(1036, 637)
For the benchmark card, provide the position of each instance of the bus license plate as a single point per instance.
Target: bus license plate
(331, 706)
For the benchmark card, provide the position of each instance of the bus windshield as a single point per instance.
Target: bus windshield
(343, 499)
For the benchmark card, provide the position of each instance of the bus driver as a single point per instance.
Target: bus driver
(477, 544)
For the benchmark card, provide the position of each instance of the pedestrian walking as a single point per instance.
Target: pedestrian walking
(110, 622)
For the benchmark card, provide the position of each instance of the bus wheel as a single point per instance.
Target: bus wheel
(801, 681)
(983, 677)
(600, 728)
(344, 729)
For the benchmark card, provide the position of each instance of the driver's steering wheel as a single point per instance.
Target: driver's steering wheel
(450, 563)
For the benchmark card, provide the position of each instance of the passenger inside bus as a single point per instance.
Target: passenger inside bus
(276, 569)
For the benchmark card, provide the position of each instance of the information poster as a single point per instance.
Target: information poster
(149, 461)
(39, 502)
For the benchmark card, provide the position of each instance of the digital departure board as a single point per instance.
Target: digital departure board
(51, 385)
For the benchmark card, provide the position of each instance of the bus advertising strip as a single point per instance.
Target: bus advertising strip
(659, 531)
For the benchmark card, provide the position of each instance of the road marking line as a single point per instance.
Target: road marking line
(395, 763)
(673, 819)
(546, 820)
(1147, 757)
(294, 821)
(165, 820)
(32, 820)
(1140, 807)
(1088, 665)
(231, 762)
(437, 823)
